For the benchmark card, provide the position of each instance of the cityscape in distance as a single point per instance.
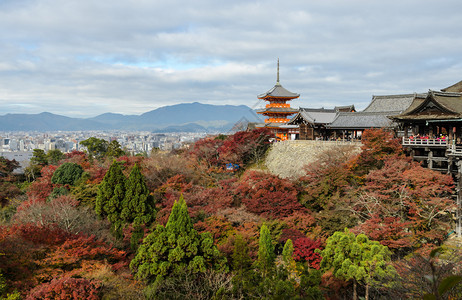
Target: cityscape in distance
(165, 128)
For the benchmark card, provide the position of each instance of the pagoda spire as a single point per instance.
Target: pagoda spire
(277, 81)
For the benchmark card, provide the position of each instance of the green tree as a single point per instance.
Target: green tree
(54, 156)
(67, 173)
(96, 147)
(36, 163)
(288, 252)
(114, 149)
(111, 194)
(244, 276)
(175, 249)
(356, 258)
(137, 206)
(265, 261)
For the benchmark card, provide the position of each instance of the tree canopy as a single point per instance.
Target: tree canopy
(356, 258)
(176, 248)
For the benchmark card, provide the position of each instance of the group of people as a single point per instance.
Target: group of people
(426, 137)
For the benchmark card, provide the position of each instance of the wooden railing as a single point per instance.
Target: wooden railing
(424, 142)
(449, 144)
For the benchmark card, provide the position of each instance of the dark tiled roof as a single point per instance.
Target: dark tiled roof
(346, 108)
(278, 91)
(449, 104)
(314, 116)
(361, 120)
(457, 88)
(288, 110)
(391, 103)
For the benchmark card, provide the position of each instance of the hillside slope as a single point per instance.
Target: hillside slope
(287, 159)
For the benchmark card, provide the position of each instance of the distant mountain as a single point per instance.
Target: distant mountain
(46, 122)
(190, 117)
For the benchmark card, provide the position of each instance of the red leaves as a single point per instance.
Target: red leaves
(66, 288)
(304, 251)
(403, 199)
(268, 195)
(90, 248)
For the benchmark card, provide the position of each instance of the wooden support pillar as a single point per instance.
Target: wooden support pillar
(430, 160)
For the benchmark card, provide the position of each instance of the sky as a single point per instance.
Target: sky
(82, 58)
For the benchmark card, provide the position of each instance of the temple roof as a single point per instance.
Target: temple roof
(435, 106)
(288, 110)
(314, 116)
(360, 120)
(278, 91)
(455, 88)
(391, 103)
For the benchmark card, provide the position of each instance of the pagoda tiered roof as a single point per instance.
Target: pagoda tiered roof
(278, 91)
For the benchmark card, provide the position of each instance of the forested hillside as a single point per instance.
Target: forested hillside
(211, 222)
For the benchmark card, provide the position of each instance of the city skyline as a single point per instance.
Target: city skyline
(85, 58)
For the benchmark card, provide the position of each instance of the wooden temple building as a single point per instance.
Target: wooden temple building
(429, 124)
(278, 110)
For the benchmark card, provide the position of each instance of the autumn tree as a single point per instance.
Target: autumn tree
(137, 205)
(327, 180)
(67, 173)
(404, 205)
(356, 258)
(268, 195)
(305, 250)
(66, 288)
(245, 147)
(111, 194)
(378, 145)
(175, 248)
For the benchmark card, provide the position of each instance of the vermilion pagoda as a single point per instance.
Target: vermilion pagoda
(278, 110)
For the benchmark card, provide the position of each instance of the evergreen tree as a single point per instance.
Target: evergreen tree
(54, 156)
(265, 261)
(288, 252)
(111, 194)
(176, 248)
(356, 258)
(67, 173)
(137, 205)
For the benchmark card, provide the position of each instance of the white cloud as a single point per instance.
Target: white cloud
(89, 57)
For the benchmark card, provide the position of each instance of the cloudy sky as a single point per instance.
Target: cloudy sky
(81, 58)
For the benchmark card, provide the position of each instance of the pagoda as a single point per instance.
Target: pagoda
(277, 110)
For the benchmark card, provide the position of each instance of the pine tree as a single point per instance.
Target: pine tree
(111, 193)
(265, 261)
(356, 258)
(176, 248)
(137, 206)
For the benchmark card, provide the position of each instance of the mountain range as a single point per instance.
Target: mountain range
(186, 117)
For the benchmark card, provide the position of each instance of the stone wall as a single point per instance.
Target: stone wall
(288, 158)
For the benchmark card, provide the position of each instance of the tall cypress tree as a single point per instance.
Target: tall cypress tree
(266, 257)
(137, 206)
(111, 193)
(176, 248)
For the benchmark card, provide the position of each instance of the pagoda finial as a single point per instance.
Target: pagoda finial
(277, 81)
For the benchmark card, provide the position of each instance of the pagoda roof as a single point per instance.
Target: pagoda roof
(278, 91)
(281, 110)
(435, 106)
